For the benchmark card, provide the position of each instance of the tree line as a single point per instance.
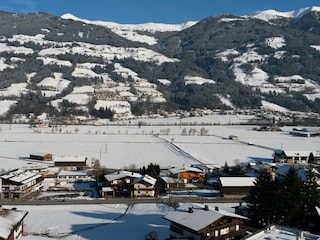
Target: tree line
(287, 201)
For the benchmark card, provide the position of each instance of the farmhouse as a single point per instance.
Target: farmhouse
(144, 186)
(121, 182)
(204, 223)
(235, 187)
(71, 163)
(41, 156)
(19, 184)
(187, 174)
(305, 132)
(11, 223)
(296, 157)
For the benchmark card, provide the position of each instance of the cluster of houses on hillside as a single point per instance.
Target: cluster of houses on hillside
(194, 222)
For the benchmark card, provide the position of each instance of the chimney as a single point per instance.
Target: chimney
(190, 210)
(216, 208)
(206, 207)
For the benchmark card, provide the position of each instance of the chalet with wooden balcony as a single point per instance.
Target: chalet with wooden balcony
(202, 223)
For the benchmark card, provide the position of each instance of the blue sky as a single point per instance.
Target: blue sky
(142, 11)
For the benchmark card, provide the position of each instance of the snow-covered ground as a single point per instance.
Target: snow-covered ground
(99, 221)
(127, 146)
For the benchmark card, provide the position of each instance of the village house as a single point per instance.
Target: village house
(73, 176)
(305, 132)
(41, 156)
(295, 157)
(202, 223)
(19, 183)
(11, 223)
(235, 187)
(41, 169)
(187, 174)
(144, 186)
(70, 163)
(121, 182)
(281, 232)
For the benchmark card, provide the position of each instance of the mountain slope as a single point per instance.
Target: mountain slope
(67, 68)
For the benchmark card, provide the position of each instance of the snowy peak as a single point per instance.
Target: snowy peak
(268, 15)
(149, 27)
(135, 32)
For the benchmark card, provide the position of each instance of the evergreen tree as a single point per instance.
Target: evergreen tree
(310, 199)
(153, 170)
(291, 198)
(311, 158)
(263, 199)
(226, 168)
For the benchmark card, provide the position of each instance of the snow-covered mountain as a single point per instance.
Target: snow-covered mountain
(68, 67)
(272, 14)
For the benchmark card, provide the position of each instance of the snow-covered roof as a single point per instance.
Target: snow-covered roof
(199, 217)
(73, 173)
(70, 159)
(281, 232)
(290, 153)
(122, 174)
(145, 178)
(20, 176)
(8, 220)
(237, 181)
(184, 169)
(283, 170)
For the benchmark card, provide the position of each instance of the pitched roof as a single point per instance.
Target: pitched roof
(281, 232)
(284, 169)
(185, 169)
(20, 176)
(121, 174)
(8, 220)
(199, 218)
(145, 178)
(70, 159)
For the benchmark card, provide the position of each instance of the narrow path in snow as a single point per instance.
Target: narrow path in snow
(181, 153)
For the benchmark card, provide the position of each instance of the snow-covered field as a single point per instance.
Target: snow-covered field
(99, 221)
(127, 146)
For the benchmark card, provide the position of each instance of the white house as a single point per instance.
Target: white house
(19, 183)
(295, 156)
(73, 176)
(144, 186)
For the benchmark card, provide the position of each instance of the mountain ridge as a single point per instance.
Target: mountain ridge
(67, 68)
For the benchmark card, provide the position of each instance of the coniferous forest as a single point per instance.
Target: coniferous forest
(289, 201)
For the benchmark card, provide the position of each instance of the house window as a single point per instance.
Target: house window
(237, 227)
(224, 231)
(216, 233)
